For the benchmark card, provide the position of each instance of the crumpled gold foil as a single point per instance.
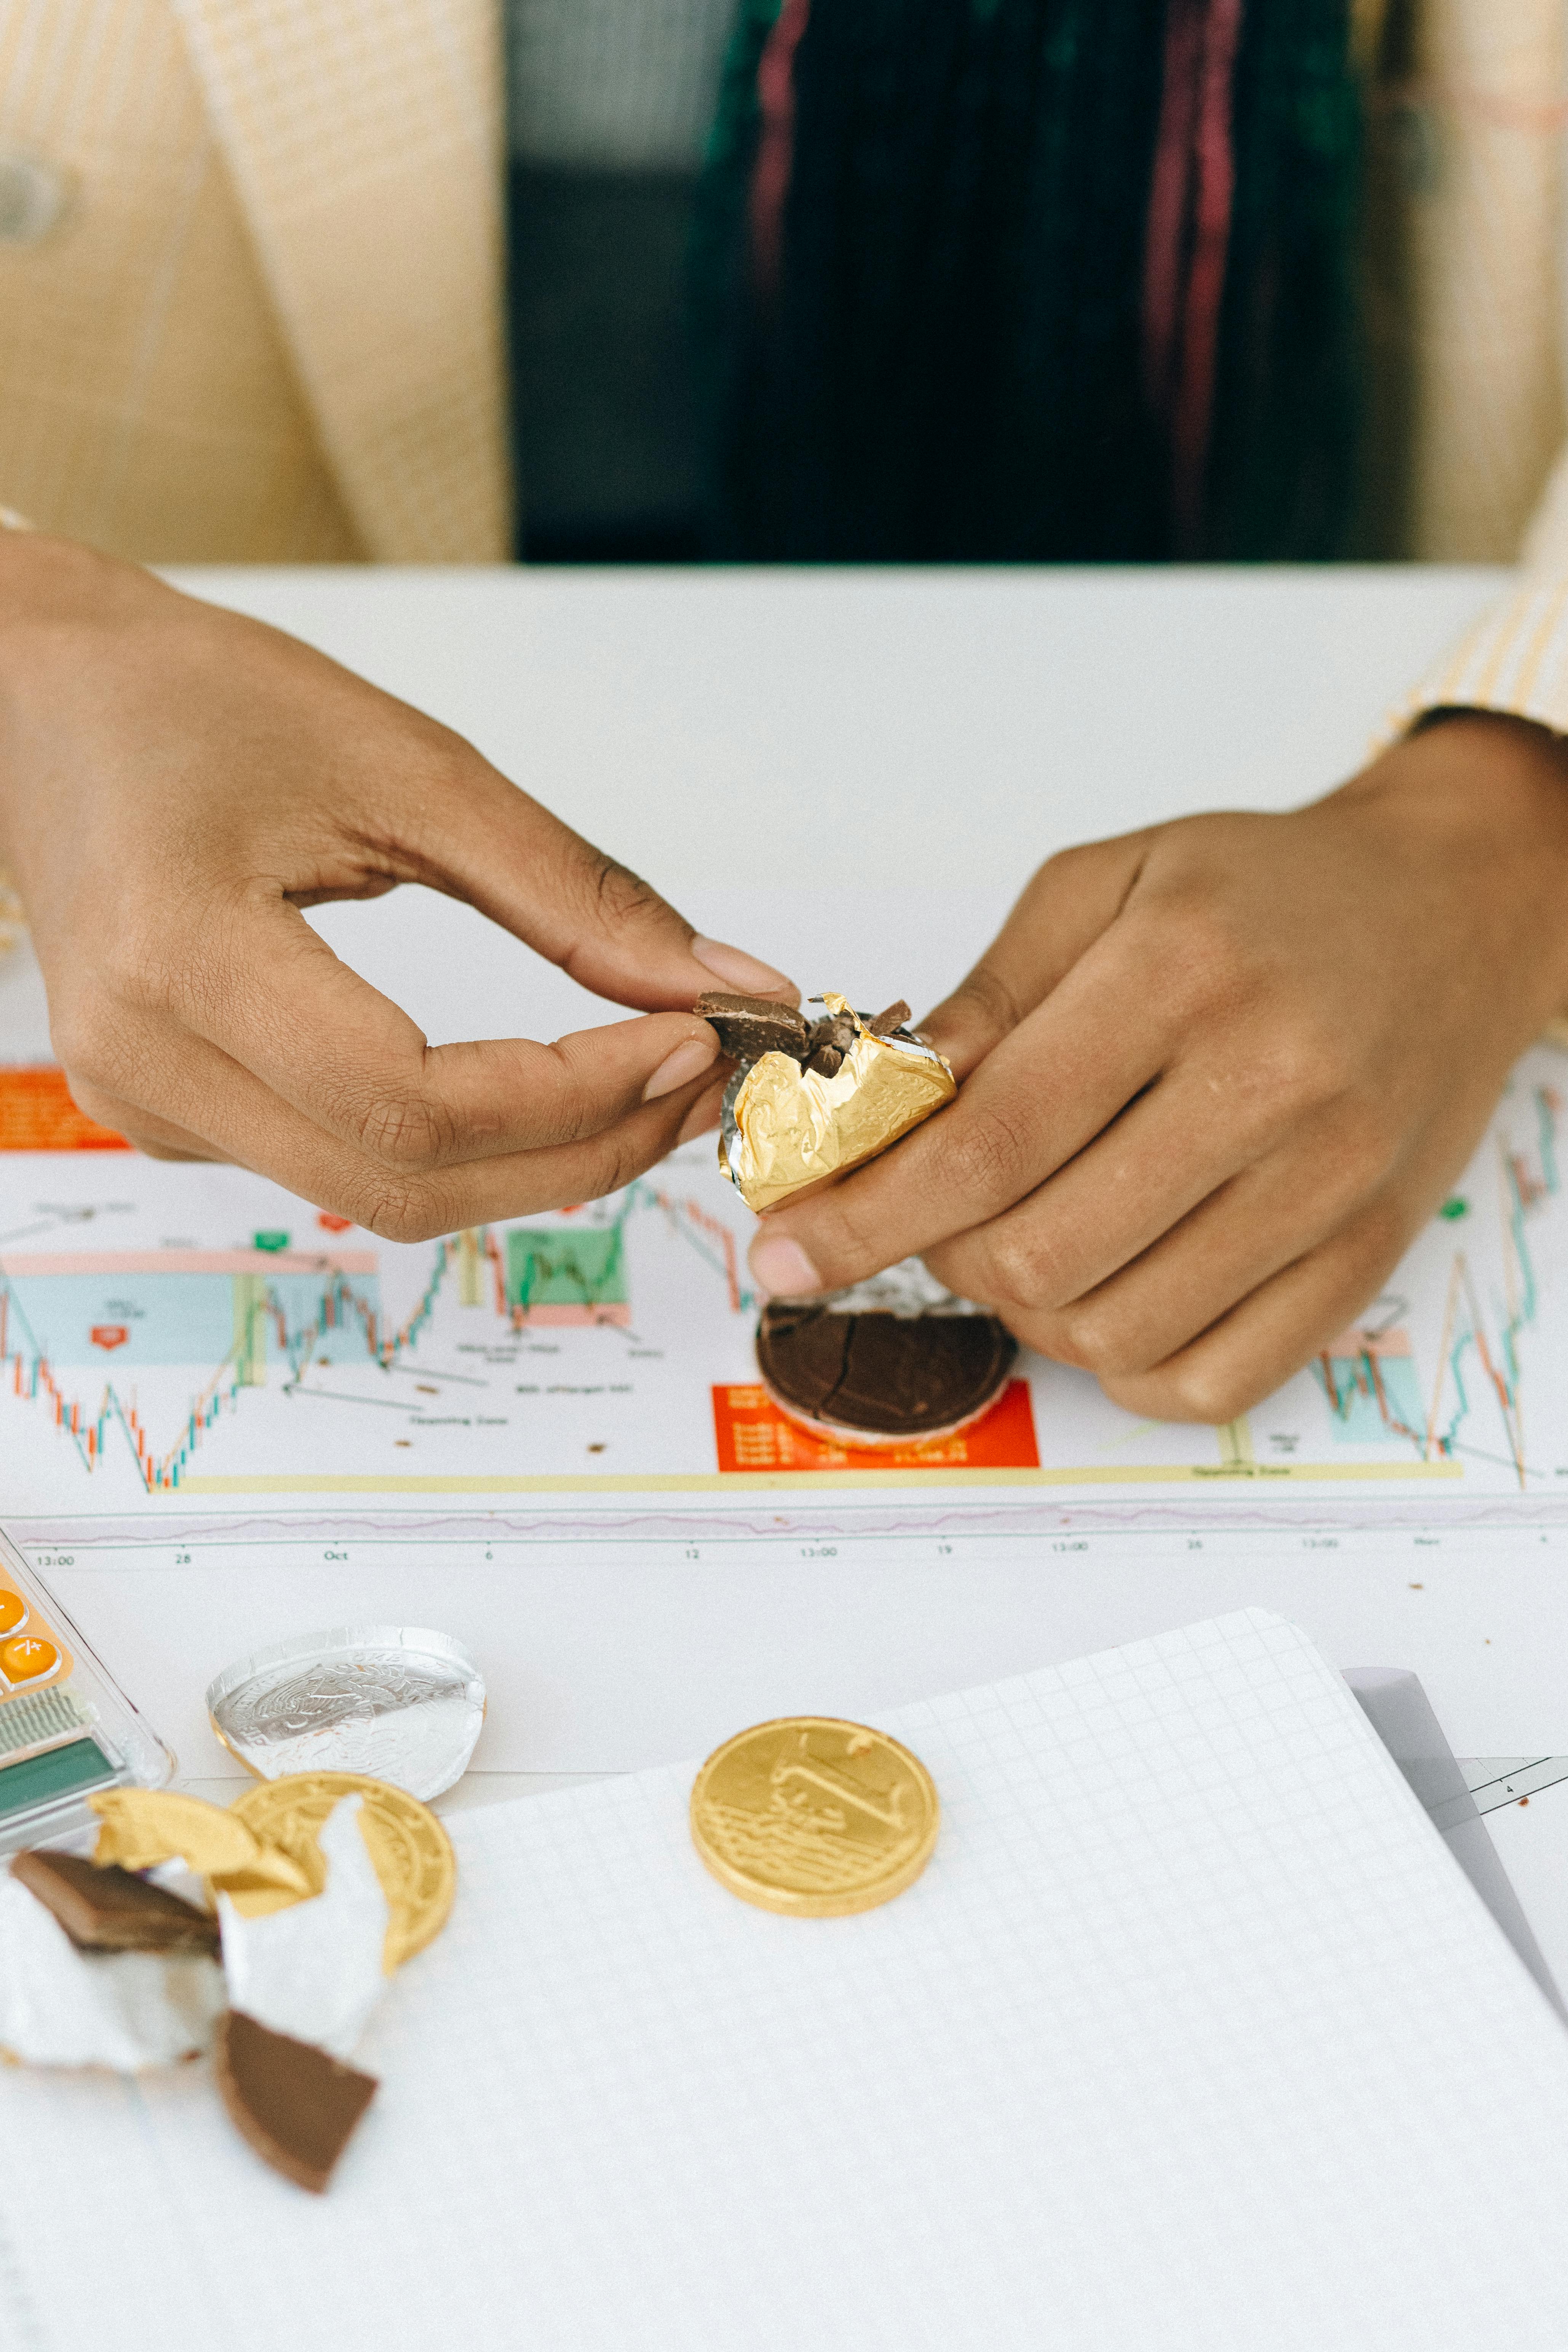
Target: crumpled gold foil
(142, 1827)
(786, 1128)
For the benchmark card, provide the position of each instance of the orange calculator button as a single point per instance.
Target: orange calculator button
(24, 1658)
(13, 1610)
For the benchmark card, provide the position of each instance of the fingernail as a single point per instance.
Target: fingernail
(688, 1061)
(783, 1267)
(732, 965)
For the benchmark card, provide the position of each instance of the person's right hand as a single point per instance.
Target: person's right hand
(1217, 1074)
(176, 782)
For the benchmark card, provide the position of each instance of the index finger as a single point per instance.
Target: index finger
(1052, 1085)
(275, 1000)
(1062, 909)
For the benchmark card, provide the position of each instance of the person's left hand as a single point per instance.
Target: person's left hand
(1218, 1074)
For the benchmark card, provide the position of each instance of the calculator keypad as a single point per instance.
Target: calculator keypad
(31, 1653)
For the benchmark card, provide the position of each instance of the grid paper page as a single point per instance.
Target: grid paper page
(1192, 2035)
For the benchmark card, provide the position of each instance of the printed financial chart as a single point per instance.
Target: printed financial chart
(169, 1333)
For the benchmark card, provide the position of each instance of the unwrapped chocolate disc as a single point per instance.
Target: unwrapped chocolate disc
(397, 1702)
(895, 1362)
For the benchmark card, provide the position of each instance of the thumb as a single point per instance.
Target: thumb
(607, 928)
(1067, 905)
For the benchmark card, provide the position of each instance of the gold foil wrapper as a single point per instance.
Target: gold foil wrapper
(786, 1128)
(142, 1827)
(410, 1851)
(262, 1852)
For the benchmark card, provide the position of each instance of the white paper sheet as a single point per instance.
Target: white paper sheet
(1192, 2035)
(606, 1655)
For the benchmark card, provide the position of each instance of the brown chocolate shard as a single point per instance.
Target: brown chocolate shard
(295, 2104)
(113, 1910)
(837, 1029)
(830, 1039)
(882, 1025)
(893, 1376)
(749, 1026)
(803, 1352)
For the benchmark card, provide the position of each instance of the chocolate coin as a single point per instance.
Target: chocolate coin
(815, 1817)
(397, 1702)
(411, 1851)
(850, 1369)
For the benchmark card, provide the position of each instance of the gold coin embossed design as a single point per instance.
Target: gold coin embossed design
(815, 1817)
(411, 1851)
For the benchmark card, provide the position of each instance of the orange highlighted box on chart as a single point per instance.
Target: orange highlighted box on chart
(37, 1114)
(753, 1434)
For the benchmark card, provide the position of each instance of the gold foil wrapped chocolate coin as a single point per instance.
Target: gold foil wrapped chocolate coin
(816, 1098)
(813, 1817)
(262, 1851)
(411, 1851)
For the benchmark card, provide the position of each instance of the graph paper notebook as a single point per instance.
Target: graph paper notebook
(1192, 2035)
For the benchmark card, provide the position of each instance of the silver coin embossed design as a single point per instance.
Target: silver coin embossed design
(397, 1702)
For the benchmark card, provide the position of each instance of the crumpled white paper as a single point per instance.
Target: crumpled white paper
(175, 1876)
(314, 1971)
(60, 2006)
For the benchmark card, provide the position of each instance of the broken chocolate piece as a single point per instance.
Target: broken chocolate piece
(830, 1040)
(749, 1026)
(837, 1029)
(783, 1126)
(113, 1910)
(893, 1378)
(295, 2104)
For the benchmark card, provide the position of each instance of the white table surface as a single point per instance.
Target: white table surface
(919, 739)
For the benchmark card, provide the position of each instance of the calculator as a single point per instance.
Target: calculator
(67, 1729)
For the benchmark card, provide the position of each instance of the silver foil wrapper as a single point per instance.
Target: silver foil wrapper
(397, 1702)
(906, 1290)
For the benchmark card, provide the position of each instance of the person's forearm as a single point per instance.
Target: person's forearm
(1490, 791)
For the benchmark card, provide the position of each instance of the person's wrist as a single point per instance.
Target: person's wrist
(54, 594)
(1483, 797)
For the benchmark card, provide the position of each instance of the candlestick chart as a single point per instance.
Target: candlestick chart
(170, 1331)
(1491, 1299)
(270, 1312)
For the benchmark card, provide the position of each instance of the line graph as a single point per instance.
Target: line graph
(1369, 1376)
(315, 1309)
(193, 1332)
